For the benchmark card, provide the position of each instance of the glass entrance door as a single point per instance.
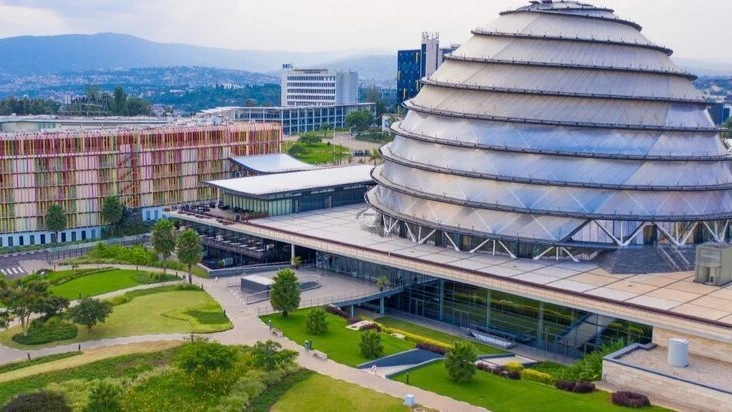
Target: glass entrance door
(416, 306)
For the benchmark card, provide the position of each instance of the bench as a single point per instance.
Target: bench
(319, 354)
(277, 332)
(492, 340)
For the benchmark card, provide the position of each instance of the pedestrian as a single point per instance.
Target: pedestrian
(373, 369)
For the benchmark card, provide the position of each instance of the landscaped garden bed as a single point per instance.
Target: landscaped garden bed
(339, 343)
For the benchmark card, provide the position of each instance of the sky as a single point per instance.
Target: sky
(381, 26)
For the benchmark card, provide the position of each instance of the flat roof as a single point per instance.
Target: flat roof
(271, 163)
(260, 280)
(296, 181)
(669, 300)
(217, 110)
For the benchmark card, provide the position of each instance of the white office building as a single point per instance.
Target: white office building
(318, 87)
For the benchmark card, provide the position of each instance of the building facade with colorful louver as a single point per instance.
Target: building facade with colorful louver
(147, 167)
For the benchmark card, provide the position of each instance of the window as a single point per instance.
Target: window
(147, 215)
(73, 236)
(63, 237)
(43, 239)
(32, 239)
(20, 240)
(83, 235)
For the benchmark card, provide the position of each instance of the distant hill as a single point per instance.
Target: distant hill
(378, 68)
(705, 68)
(28, 55)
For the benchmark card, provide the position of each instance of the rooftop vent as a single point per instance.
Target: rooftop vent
(714, 264)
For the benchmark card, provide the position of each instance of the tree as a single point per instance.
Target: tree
(189, 250)
(316, 322)
(727, 133)
(53, 305)
(120, 102)
(138, 256)
(270, 356)
(90, 312)
(163, 240)
(460, 362)
(360, 120)
(285, 292)
(375, 156)
(104, 397)
(371, 347)
(55, 219)
(112, 212)
(23, 298)
(199, 359)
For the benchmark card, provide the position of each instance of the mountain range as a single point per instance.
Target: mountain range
(81, 53)
(37, 55)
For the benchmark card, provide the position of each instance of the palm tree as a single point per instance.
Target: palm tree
(163, 240)
(189, 250)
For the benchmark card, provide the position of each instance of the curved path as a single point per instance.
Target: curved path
(247, 330)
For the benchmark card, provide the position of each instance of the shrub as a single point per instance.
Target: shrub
(249, 387)
(316, 322)
(434, 348)
(584, 387)
(497, 370)
(460, 362)
(370, 326)
(482, 366)
(371, 347)
(352, 320)
(105, 397)
(200, 359)
(514, 367)
(38, 401)
(536, 376)
(52, 330)
(335, 310)
(513, 375)
(564, 385)
(270, 356)
(630, 399)
(589, 368)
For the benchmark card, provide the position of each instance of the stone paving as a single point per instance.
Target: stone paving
(247, 330)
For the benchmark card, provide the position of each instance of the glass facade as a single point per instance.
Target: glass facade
(297, 202)
(553, 328)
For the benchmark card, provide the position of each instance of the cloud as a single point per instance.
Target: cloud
(16, 21)
(693, 30)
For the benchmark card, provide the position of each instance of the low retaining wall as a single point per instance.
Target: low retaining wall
(697, 346)
(696, 397)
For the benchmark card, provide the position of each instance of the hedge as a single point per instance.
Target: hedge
(536, 376)
(630, 399)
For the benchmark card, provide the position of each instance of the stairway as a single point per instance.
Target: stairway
(585, 330)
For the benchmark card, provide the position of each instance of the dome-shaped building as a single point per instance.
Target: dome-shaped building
(557, 128)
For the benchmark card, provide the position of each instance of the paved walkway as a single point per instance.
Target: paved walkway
(247, 330)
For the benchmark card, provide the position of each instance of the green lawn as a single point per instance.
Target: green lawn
(101, 283)
(341, 344)
(317, 153)
(499, 394)
(128, 365)
(148, 314)
(322, 393)
(9, 367)
(435, 335)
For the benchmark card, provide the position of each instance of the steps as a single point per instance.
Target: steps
(584, 331)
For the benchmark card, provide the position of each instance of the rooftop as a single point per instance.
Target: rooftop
(672, 300)
(296, 181)
(271, 163)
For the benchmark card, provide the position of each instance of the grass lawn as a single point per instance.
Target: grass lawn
(322, 393)
(77, 359)
(121, 366)
(101, 283)
(148, 314)
(499, 394)
(341, 344)
(318, 153)
(435, 335)
(9, 367)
